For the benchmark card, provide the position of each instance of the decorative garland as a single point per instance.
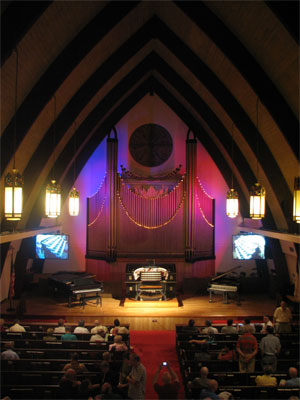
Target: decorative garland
(205, 219)
(146, 226)
(99, 213)
(204, 191)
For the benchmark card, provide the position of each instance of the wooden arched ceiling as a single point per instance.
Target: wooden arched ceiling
(209, 61)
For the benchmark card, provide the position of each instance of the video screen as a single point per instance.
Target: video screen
(248, 247)
(52, 246)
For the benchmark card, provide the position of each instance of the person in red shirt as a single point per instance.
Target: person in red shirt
(170, 387)
(228, 353)
(247, 348)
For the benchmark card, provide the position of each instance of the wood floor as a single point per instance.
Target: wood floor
(144, 315)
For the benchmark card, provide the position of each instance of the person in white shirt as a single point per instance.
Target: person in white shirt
(97, 327)
(81, 328)
(244, 327)
(207, 326)
(267, 322)
(60, 328)
(98, 337)
(16, 327)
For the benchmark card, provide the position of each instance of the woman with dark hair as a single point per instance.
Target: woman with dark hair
(117, 329)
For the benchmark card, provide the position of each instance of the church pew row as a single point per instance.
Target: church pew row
(94, 354)
(188, 350)
(52, 364)
(224, 366)
(244, 392)
(33, 392)
(43, 326)
(38, 335)
(28, 378)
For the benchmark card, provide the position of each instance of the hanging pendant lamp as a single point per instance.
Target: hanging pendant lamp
(257, 192)
(74, 194)
(232, 198)
(296, 202)
(13, 181)
(53, 190)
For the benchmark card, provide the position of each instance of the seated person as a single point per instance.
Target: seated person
(243, 327)
(2, 329)
(81, 328)
(98, 326)
(108, 392)
(203, 354)
(117, 329)
(99, 336)
(9, 353)
(86, 389)
(68, 335)
(209, 339)
(227, 353)
(210, 392)
(108, 375)
(118, 344)
(266, 379)
(16, 327)
(293, 382)
(68, 385)
(60, 328)
(190, 328)
(208, 326)
(74, 364)
(50, 335)
(267, 322)
(229, 328)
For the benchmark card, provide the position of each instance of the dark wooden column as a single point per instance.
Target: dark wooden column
(191, 171)
(111, 168)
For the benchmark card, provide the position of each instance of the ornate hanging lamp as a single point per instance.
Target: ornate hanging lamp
(232, 198)
(13, 191)
(296, 202)
(74, 194)
(257, 192)
(74, 202)
(53, 190)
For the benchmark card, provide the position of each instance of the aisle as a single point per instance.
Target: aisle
(154, 347)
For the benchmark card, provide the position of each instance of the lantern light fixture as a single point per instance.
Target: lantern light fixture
(232, 198)
(13, 181)
(257, 192)
(296, 202)
(53, 190)
(74, 194)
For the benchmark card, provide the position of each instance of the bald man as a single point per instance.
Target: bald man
(210, 393)
(294, 382)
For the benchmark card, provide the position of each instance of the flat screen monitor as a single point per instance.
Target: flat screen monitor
(52, 246)
(248, 247)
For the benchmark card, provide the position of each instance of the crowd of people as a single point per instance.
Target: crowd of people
(129, 382)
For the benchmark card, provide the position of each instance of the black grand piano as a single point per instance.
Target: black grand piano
(76, 285)
(225, 284)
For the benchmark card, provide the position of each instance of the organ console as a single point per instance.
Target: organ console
(147, 282)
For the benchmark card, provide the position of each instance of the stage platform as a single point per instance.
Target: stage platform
(143, 315)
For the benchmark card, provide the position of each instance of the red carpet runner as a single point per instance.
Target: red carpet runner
(154, 347)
